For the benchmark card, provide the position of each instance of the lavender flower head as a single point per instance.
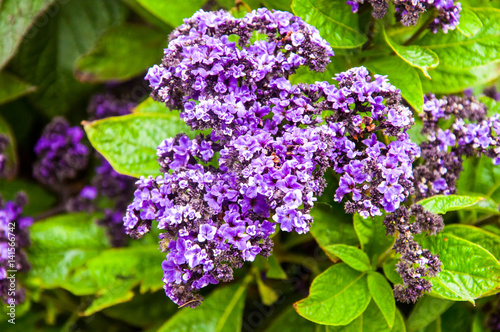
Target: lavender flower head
(273, 145)
(415, 263)
(469, 133)
(409, 11)
(60, 153)
(106, 105)
(13, 237)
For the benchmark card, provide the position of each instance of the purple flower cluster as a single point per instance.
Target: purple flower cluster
(13, 237)
(378, 175)
(60, 153)
(408, 11)
(469, 133)
(415, 263)
(106, 105)
(271, 141)
(214, 80)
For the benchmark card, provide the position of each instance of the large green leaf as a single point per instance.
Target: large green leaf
(114, 273)
(334, 20)
(481, 237)
(290, 321)
(390, 272)
(456, 50)
(371, 320)
(330, 228)
(278, 4)
(350, 255)
(337, 296)
(480, 176)
(414, 55)
(129, 142)
(220, 312)
(122, 53)
(441, 204)
(12, 87)
(382, 295)
(402, 76)
(16, 17)
(371, 234)
(144, 310)
(171, 12)
(470, 24)
(427, 310)
(447, 79)
(60, 244)
(48, 52)
(150, 106)
(468, 270)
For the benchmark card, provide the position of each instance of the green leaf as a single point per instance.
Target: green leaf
(10, 152)
(371, 234)
(371, 320)
(39, 199)
(78, 240)
(171, 12)
(12, 87)
(114, 273)
(144, 310)
(111, 58)
(470, 24)
(337, 296)
(414, 55)
(390, 272)
(267, 295)
(441, 204)
(48, 52)
(129, 142)
(290, 321)
(16, 17)
(427, 310)
(278, 4)
(478, 324)
(481, 237)
(272, 267)
(402, 76)
(447, 80)
(330, 228)
(334, 20)
(457, 319)
(350, 255)
(456, 50)
(480, 176)
(151, 106)
(220, 312)
(468, 270)
(382, 294)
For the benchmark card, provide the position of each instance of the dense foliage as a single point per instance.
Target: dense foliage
(254, 165)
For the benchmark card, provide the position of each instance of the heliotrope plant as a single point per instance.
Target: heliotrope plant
(273, 146)
(261, 162)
